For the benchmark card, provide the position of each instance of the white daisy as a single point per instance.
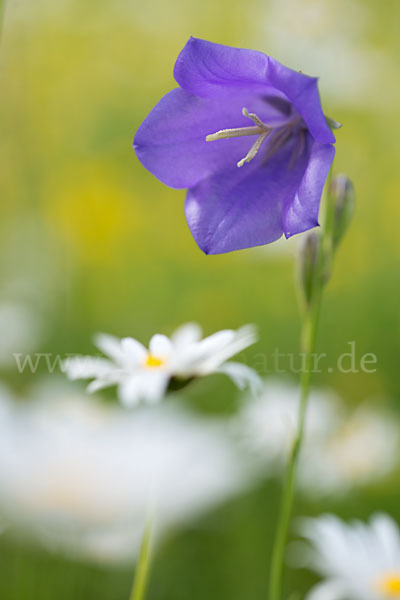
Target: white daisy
(342, 448)
(266, 425)
(143, 374)
(78, 474)
(363, 447)
(358, 561)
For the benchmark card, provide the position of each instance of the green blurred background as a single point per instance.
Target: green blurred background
(90, 241)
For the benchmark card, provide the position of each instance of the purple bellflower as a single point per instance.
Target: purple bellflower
(248, 138)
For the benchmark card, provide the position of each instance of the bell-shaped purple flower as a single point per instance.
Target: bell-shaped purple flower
(248, 138)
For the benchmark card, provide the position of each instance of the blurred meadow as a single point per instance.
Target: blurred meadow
(90, 241)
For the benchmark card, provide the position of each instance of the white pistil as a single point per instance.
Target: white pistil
(260, 129)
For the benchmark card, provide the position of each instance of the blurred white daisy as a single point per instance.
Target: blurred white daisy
(363, 448)
(341, 449)
(358, 561)
(144, 374)
(78, 475)
(267, 424)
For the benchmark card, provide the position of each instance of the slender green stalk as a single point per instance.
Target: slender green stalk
(141, 578)
(310, 327)
(309, 336)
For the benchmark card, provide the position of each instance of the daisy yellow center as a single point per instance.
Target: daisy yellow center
(153, 362)
(389, 585)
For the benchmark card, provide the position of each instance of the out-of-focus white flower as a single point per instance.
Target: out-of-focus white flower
(341, 449)
(266, 425)
(357, 561)
(20, 331)
(363, 448)
(143, 374)
(79, 474)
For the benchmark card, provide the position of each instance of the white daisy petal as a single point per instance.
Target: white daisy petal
(205, 355)
(130, 391)
(133, 351)
(160, 346)
(216, 349)
(387, 533)
(157, 386)
(242, 376)
(145, 386)
(110, 346)
(86, 367)
(328, 590)
(187, 334)
(99, 384)
(216, 343)
(245, 337)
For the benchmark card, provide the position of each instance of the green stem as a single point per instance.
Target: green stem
(309, 337)
(141, 578)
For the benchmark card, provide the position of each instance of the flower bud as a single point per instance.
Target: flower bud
(342, 195)
(308, 265)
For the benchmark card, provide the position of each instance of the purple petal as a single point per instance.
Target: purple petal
(242, 207)
(302, 91)
(301, 213)
(207, 69)
(213, 70)
(171, 141)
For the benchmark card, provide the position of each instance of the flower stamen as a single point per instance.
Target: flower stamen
(260, 129)
(279, 139)
(256, 120)
(230, 133)
(298, 149)
(253, 150)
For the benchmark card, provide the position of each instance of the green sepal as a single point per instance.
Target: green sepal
(332, 124)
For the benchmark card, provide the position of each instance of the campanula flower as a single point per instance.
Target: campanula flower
(248, 138)
(144, 374)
